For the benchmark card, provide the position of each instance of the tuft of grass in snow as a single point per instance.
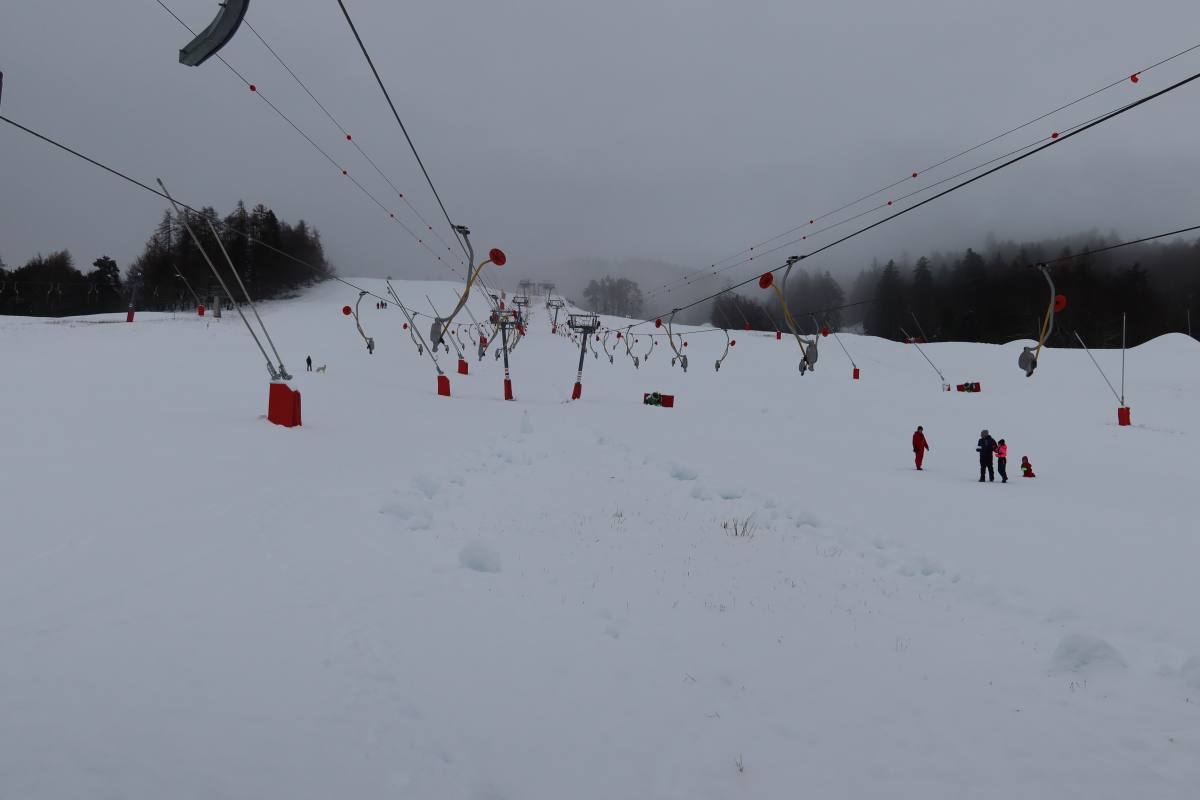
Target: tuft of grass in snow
(740, 528)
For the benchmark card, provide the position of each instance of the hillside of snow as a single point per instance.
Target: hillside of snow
(414, 596)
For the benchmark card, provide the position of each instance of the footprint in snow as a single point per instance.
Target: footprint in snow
(427, 485)
(413, 517)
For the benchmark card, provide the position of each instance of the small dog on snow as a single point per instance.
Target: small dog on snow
(322, 368)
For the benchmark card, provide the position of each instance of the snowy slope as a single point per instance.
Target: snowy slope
(414, 596)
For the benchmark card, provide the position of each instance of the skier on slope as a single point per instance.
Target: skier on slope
(920, 445)
(986, 448)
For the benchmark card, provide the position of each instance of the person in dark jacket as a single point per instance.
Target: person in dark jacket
(920, 445)
(986, 449)
(309, 362)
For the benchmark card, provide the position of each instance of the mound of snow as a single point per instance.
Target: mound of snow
(479, 557)
(1078, 652)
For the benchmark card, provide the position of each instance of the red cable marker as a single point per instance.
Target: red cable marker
(765, 281)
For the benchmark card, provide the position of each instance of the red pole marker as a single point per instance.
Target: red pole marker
(443, 384)
(765, 280)
(1060, 302)
(497, 256)
(347, 310)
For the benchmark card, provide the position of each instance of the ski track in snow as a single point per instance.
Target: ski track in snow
(420, 597)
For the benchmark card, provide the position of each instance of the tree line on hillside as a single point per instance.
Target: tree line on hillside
(996, 295)
(619, 297)
(258, 242)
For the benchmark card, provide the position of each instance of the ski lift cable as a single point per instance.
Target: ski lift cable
(353, 141)
(1133, 77)
(141, 185)
(404, 130)
(336, 165)
(413, 333)
(253, 308)
(929, 187)
(1053, 142)
(275, 375)
(1120, 399)
(836, 338)
(913, 342)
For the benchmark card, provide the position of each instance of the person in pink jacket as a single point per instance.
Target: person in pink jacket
(1002, 460)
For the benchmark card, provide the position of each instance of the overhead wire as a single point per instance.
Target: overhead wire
(411, 146)
(349, 138)
(1134, 77)
(898, 199)
(324, 153)
(1054, 141)
(146, 187)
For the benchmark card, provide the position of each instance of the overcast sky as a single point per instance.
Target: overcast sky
(625, 129)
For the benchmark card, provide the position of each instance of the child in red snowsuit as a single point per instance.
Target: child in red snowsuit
(1026, 468)
(920, 445)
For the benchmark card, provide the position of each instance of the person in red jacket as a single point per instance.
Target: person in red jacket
(1026, 468)
(1002, 460)
(920, 445)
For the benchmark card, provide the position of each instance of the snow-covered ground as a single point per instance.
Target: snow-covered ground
(420, 597)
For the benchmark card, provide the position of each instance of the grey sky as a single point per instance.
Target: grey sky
(629, 129)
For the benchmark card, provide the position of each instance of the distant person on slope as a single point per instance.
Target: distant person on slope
(1002, 460)
(986, 449)
(1026, 468)
(920, 445)
(308, 361)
